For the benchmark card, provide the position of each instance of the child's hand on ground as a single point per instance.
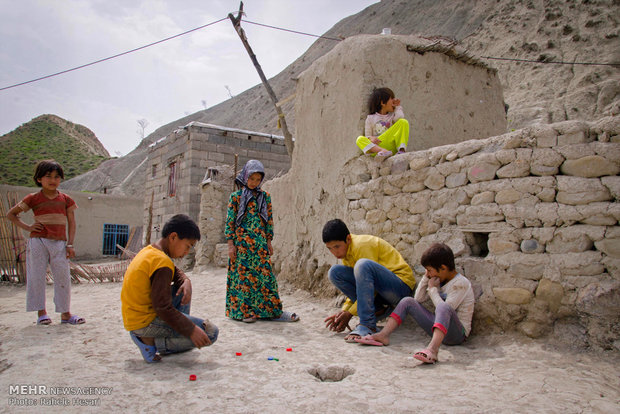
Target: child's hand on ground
(186, 290)
(199, 338)
(338, 322)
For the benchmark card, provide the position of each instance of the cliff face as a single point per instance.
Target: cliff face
(536, 30)
(553, 31)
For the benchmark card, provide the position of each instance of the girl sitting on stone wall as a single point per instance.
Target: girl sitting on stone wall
(386, 129)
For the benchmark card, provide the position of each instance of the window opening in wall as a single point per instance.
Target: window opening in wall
(212, 173)
(172, 179)
(114, 234)
(478, 243)
(154, 171)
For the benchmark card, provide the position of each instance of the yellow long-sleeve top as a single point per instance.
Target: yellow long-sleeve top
(365, 246)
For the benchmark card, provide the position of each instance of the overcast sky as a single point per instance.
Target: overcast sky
(161, 83)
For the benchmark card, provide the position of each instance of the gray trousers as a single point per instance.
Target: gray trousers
(40, 253)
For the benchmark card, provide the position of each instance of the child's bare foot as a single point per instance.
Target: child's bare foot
(384, 339)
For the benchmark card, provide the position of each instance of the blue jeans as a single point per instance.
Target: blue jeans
(360, 283)
(169, 341)
(444, 319)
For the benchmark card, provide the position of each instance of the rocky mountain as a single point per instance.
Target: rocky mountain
(74, 146)
(557, 60)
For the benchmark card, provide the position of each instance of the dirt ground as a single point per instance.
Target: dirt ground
(96, 366)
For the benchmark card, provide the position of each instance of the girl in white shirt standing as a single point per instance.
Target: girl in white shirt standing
(453, 297)
(386, 129)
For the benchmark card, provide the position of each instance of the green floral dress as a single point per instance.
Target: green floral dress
(251, 287)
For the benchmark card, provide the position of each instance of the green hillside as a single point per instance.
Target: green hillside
(48, 137)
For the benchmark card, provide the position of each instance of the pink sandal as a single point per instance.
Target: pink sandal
(426, 356)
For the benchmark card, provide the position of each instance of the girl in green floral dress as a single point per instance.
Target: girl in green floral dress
(251, 287)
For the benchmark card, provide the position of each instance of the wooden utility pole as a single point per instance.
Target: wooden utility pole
(288, 138)
(149, 223)
(235, 171)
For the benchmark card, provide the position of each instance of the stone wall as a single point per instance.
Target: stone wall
(532, 217)
(215, 192)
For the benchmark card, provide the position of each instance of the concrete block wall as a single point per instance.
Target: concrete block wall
(219, 145)
(532, 217)
(174, 148)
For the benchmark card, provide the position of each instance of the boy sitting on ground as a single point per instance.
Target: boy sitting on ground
(453, 297)
(373, 276)
(156, 313)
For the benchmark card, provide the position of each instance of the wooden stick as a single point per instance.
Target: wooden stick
(19, 242)
(149, 222)
(126, 251)
(288, 138)
(285, 100)
(8, 254)
(235, 172)
(129, 240)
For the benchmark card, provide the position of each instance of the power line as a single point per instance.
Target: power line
(292, 31)
(282, 29)
(112, 57)
(551, 62)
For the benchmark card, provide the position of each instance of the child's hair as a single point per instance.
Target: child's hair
(335, 230)
(183, 226)
(44, 167)
(436, 255)
(377, 97)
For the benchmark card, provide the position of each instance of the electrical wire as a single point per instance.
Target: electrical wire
(285, 30)
(292, 31)
(112, 57)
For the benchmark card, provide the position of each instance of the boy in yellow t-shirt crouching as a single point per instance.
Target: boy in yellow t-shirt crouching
(156, 296)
